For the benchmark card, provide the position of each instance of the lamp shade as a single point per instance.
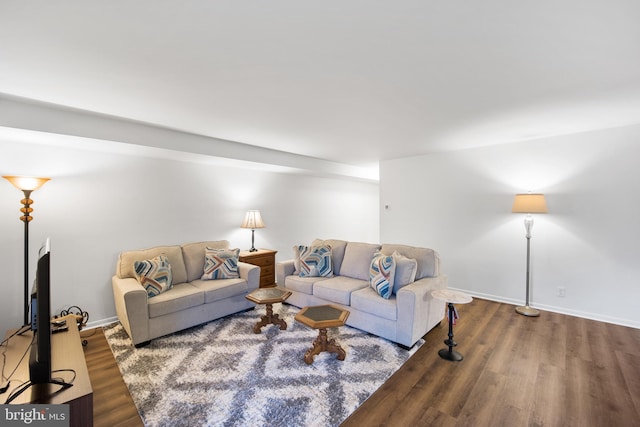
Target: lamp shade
(253, 219)
(529, 203)
(28, 183)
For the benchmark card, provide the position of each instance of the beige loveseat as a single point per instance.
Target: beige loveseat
(191, 301)
(405, 317)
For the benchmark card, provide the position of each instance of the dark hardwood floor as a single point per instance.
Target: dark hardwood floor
(553, 370)
(112, 403)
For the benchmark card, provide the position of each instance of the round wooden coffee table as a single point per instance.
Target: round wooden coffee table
(322, 317)
(451, 297)
(268, 297)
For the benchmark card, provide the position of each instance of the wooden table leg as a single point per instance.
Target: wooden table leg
(320, 344)
(269, 319)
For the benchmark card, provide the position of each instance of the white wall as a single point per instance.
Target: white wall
(99, 203)
(459, 203)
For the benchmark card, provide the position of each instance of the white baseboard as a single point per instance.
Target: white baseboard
(544, 307)
(100, 323)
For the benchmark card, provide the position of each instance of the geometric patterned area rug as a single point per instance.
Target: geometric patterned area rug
(222, 374)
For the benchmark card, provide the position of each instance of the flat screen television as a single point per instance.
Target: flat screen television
(40, 359)
(40, 356)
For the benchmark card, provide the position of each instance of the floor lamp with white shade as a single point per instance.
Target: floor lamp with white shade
(528, 204)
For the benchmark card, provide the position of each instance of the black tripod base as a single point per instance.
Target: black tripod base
(449, 354)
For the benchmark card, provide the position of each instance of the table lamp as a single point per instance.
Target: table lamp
(253, 220)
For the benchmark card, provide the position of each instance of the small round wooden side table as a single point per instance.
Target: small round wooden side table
(451, 297)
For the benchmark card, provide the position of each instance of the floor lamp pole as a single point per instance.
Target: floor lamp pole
(26, 268)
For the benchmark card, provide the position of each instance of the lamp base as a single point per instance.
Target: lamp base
(448, 354)
(527, 311)
(253, 246)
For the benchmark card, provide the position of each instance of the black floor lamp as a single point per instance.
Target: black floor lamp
(529, 204)
(27, 185)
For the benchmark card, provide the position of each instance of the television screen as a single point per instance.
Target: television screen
(40, 357)
(40, 360)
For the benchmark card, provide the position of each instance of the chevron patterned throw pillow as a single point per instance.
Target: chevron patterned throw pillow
(381, 274)
(315, 261)
(220, 264)
(154, 275)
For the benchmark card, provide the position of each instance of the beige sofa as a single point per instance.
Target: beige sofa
(405, 317)
(189, 302)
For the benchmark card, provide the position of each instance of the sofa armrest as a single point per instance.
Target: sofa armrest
(417, 308)
(251, 273)
(283, 269)
(131, 307)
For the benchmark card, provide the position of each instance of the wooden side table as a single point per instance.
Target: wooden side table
(268, 297)
(451, 297)
(321, 317)
(266, 260)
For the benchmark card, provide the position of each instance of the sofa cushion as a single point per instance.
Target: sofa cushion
(302, 284)
(368, 301)
(428, 259)
(178, 298)
(381, 274)
(154, 275)
(220, 264)
(125, 268)
(193, 254)
(338, 289)
(337, 252)
(406, 269)
(216, 290)
(357, 259)
(315, 261)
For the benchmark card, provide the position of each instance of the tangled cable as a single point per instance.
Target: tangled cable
(82, 317)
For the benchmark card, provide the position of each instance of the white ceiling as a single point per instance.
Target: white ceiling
(347, 81)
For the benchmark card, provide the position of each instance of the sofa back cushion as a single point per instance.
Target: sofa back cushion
(126, 260)
(357, 260)
(193, 254)
(428, 259)
(406, 269)
(337, 252)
